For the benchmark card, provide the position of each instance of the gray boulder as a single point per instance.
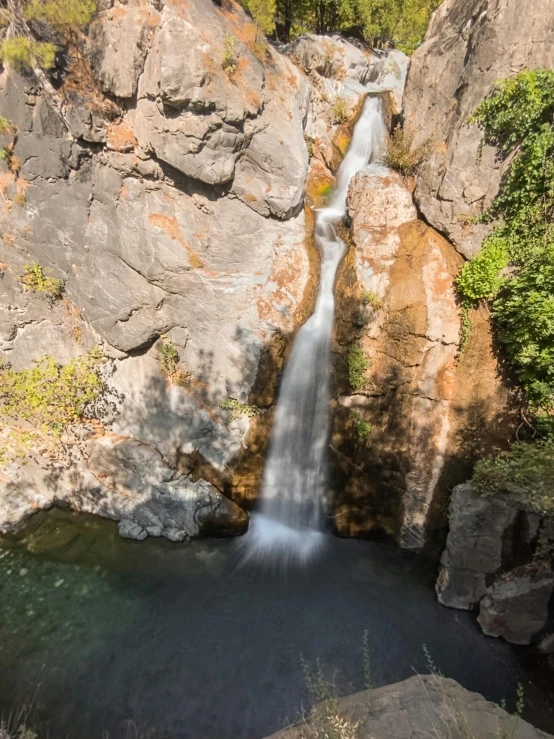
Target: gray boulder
(422, 706)
(496, 560)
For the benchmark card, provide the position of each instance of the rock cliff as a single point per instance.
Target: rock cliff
(469, 46)
(169, 200)
(408, 424)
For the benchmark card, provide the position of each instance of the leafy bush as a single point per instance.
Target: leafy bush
(363, 428)
(5, 125)
(51, 396)
(372, 299)
(358, 364)
(339, 110)
(526, 472)
(61, 14)
(401, 154)
(169, 357)
(480, 277)
(21, 52)
(229, 59)
(518, 118)
(238, 409)
(35, 279)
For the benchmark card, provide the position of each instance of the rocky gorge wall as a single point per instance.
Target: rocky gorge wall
(470, 45)
(169, 199)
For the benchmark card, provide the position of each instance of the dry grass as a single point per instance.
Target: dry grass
(401, 153)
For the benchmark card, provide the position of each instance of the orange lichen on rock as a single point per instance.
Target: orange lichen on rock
(121, 137)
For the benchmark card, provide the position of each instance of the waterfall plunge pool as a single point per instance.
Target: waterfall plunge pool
(124, 638)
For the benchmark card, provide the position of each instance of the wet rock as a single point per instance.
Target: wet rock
(468, 48)
(496, 561)
(516, 607)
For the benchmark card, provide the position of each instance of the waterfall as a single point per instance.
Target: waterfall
(295, 483)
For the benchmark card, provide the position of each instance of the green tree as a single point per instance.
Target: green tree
(18, 44)
(263, 13)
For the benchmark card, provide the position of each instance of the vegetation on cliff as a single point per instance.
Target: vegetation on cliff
(515, 269)
(525, 472)
(379, 22)
(20, 46)
(39, 404)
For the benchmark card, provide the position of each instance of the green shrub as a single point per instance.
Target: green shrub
(61, 14)
(402, 155)
(229, 58)
(238, 409)
(358, 364)
(35, 279)
(372, 299)
(480, 277)
(339, 110)
(363, 428)
(51, 396)
(5, 125)
(518, 118)
(169, 358)
(21, 52)
(525, 472)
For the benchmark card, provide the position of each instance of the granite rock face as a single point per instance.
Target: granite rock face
(470, 45)
(496, 560)
(415, 707)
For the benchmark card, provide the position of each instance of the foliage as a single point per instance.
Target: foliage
(35, 279)
(325, 721)
(21, 52)
(169, 363)
(229, 59)
(518, 119)
(401, 154)
(238, 409)
(263, 13)
(363, 428)
(379, 22)
(5, 125)
(525, 472)
(51, 396)
(480, 277)
(339, 110)
(358, 364)
(61, 14)
(372, 299)
(20, 48)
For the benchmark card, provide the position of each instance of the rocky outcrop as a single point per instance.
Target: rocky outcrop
(127, 481)
(402, 436)
(470, 45)
(413, 709)
(497, 561)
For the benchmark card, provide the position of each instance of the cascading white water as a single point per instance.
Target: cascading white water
(295, 487)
